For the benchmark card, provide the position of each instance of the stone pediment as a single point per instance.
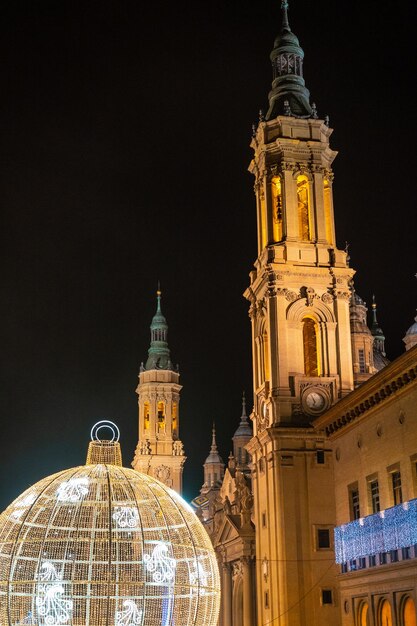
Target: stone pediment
(228, 530)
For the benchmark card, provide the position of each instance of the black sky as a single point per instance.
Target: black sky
(125, 130)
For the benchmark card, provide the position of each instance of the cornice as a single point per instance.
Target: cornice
(395, 378)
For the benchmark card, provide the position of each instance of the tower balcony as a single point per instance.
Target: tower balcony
(385, 537)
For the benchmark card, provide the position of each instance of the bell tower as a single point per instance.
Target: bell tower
(299, 298)
(160, 452)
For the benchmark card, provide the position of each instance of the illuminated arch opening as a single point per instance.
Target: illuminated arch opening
(161, 416)
(328, 211)
(409, 617)
(174, 418)
(265, 342)
(385, 614)
(311, 347)
(303, 198)
(146, 412)
(262, 209)
(363, 614)
(277, 207)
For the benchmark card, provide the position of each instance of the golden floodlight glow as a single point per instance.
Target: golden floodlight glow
(102, 545)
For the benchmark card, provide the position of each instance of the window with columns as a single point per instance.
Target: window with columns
(174, 418)
(327, 191)
(161, 416)
(277, 207)
(311, 347)
(303, 199)
(146, 411)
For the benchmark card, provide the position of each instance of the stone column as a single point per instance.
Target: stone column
(247, 591)
(227, 594)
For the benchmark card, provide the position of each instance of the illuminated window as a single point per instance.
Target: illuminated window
(396, 487)
(363, 614)
(328, 210)
(409, 613)
(310, 341)
(277, 207)
(263, 219)
(174, 418)
(385, 614)
(146, 411)
(303, 208)
(161, 416)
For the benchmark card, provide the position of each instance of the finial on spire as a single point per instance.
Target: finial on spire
(158, 291)
(285, 22)
(244, 405)
(213, 439)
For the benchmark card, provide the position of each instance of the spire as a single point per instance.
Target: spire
(243, 430)
(285, 22)
(289, 95)
(376, 330)
(158, 353)
(380, 357)
(214, 456)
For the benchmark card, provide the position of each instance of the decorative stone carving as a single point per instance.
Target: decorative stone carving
(178, 448)
(163, 473)
(341, 295)
(237, 569)
(327, 298)
(144, 447)
(310, 295)
(291, 296)
(289, 166)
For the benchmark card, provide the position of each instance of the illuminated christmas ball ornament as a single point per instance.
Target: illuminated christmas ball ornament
(102, 545)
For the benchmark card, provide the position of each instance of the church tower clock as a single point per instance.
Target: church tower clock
(160, 452)
(299, 298)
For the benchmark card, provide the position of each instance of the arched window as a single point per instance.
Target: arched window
(262, 210)
(385, 614)
(277, 207)
(161, 416)
(363, 614)
(328, 211)
(409, 613)
(311, 348)
(265, 342)
(303, 198)
(146, 411)
(174, 418)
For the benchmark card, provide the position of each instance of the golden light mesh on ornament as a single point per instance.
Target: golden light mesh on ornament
(105, 546)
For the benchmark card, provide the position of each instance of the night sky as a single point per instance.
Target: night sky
(124, 146)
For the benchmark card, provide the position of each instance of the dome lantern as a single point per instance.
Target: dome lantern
(103, 545)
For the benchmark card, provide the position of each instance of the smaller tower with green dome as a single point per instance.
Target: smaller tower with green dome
(160, 452)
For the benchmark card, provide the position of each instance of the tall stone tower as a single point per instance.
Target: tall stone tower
(299, 298)
(160, 452)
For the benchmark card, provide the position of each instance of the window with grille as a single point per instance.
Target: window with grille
(355, 511)
(362, 364)
(396, 487)
(374, 492)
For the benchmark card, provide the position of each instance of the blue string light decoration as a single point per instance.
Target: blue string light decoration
(387, 530)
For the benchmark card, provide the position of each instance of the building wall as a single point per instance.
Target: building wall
(373, 433)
